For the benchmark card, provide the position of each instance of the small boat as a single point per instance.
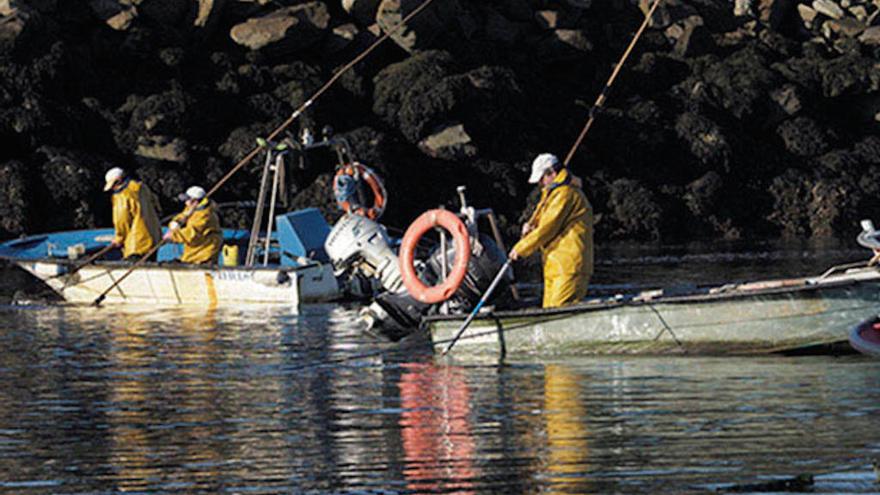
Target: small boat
(771, 316)
(865, 337)
(298, 275)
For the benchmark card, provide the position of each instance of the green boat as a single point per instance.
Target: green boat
(771, 316)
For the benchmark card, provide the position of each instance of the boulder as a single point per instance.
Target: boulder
(634, 212)
(828, 8)
(563, 45)
(340, 38)
(162, 148)
(425, 30)
(363, 11)
(669, 11)
(117, 15)
(871, 36)
(803, 136)
(18, 23)
(705, 139)
(209, 13)
(788, 98)
(690, 37)
(285, 30)
(807, 13)
(848, 26)
(449, 142)
(501, 29)
(556, 19)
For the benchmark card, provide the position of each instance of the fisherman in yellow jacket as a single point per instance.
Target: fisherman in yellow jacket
(135, 216)
(562, 229)
(200, 232)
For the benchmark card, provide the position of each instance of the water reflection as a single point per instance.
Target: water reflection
(566, 420)
(257, 400)
(435, 427)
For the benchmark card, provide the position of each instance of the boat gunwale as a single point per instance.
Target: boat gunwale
(163, 265)
(807, 284)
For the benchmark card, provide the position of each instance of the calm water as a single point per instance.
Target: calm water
(265, 400)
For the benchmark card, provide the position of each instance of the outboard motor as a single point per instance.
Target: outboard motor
(360, 246)
(487, 258)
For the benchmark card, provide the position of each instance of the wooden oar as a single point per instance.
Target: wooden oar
(97, 302)
(87, 261)
(479, 305)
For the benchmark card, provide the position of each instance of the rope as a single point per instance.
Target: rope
(603, 95)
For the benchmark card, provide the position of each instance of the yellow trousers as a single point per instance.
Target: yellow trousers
(562, 290)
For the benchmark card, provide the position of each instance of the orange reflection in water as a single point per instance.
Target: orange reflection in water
(437, 441)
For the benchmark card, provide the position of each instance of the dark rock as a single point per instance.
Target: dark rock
(562, 45)
(788, 98)
(738, 83)
(436, 23)
(803, 136)
(705, 139)
(423, 92)
(702, 195)
(633, 211)
(15, 199)
(363, 11)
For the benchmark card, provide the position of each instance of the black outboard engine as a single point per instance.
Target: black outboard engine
(486, 260)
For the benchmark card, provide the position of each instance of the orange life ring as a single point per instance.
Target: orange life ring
(427, 221)
(360, 172)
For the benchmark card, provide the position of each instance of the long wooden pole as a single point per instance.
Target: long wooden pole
(99, 299)
(600, 100)
(85, 262)
(479, 305)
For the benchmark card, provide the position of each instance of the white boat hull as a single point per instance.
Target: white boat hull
(185, 284)
(752, 320)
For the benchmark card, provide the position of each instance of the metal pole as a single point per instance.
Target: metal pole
(279, 166)
(258, 214)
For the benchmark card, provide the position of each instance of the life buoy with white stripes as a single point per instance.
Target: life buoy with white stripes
(461, 240)
(345, 184)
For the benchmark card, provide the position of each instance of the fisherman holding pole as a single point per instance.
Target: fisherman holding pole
(562, 229)
(135, 217)
(197, 228)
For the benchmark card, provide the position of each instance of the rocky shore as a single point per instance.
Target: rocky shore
(732, 119)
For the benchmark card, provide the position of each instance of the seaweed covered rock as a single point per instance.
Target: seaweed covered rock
(803, 136)
(705, 139)
(15, 199)
(423, 94)
(634, 212)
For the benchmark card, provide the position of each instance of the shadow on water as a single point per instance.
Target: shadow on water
(268, 400)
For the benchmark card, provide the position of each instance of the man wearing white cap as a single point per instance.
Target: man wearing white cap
(135, 214)
(197, 228)
(562, 229)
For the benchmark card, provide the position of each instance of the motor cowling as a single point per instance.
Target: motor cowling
(486, 260)
(357, 240)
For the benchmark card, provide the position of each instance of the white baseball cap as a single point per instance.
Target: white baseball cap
(194, 192)
(112, 175)
(542, 163)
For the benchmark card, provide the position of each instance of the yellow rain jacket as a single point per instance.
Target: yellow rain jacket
(135, 219)
(563, 231)
(201, 234)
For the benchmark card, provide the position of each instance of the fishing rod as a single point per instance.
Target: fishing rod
(274, 134)
(603, 95)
